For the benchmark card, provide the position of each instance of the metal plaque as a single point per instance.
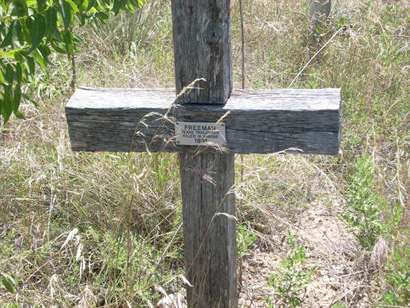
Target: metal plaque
(200, 133)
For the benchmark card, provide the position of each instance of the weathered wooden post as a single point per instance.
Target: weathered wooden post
(206, 123)
(319, 12)
(202, 50)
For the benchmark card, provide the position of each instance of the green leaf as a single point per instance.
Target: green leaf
(30, 29)
(58, 46)
(9, 283)
(37, 29)
(17, 98)
(9, 74)
(91, 4)
(68, 41)
(84, 5)
(19, 8)
(45, 51)
(7, 103)
(67, 9)
(9, 36)
(30, 65)
(10, 54)
(18, 73)
(101, 16)
(41, 4)
(74, 7)
(13, 35)
(41, 61)
(119, 5)
(51, 21)
(18, 34)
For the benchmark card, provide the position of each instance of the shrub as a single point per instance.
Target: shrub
(291, 279)
(364, 205)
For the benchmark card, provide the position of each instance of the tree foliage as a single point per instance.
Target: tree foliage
(30, 30)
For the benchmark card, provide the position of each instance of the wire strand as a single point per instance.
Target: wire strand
(243, 44)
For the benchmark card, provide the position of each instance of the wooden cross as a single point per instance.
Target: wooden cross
(206, 123)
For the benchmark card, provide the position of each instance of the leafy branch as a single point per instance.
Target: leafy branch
(30, 30)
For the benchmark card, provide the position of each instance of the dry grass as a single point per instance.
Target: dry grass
(88, 229)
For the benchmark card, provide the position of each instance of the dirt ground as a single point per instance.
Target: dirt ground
(340, 271)
(331, 251)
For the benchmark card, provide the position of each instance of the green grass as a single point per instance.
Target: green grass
(364, 206)
(127, 207)
(291, 278)
(398, 277)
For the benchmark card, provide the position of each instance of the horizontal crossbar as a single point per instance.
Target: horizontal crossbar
(139, 120)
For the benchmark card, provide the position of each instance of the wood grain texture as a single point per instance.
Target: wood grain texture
(201, 31)
(207, 181)
(256, 121)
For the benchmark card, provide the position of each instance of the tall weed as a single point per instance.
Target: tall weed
(292, 277)
(364, 206)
